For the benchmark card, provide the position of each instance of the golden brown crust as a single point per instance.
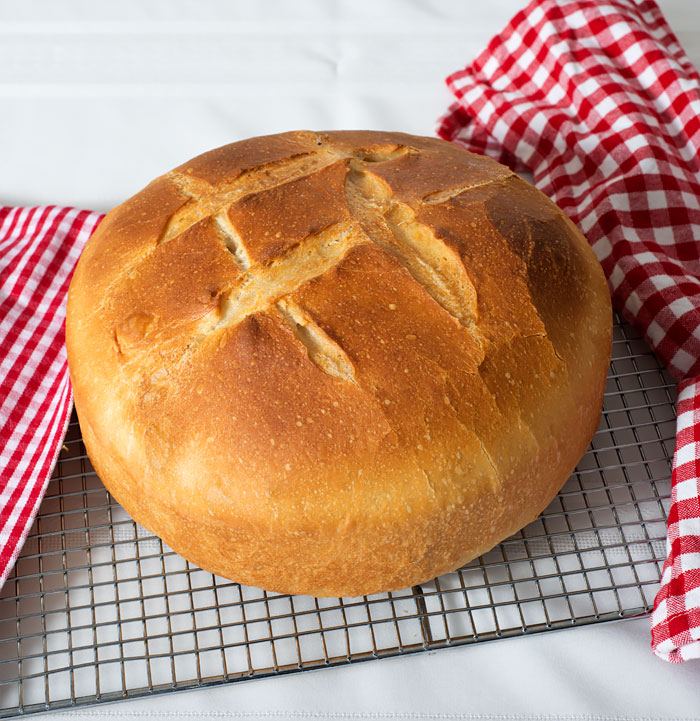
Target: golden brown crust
(337, 363)
(318, 200)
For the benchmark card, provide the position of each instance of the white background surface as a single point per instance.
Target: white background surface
(97, 97)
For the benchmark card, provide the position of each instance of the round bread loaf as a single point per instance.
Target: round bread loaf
(337, 363)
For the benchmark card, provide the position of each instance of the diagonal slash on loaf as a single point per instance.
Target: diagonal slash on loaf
(376, 216)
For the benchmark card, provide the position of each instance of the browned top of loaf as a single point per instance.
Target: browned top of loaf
(292, 325)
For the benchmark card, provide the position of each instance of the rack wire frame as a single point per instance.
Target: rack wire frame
(98, 609)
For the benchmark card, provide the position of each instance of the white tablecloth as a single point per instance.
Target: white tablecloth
(96, 98)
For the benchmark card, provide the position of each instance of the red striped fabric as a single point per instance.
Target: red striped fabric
(39, 248)
(599, 101)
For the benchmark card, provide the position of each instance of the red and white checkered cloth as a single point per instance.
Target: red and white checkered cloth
(598, 100)
(39, 248)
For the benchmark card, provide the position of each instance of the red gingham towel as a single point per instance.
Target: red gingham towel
(39, 248)
(598, 100)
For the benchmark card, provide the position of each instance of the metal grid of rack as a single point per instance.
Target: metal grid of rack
(99, 609)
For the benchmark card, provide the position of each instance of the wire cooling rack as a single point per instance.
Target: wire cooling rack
(99, 609)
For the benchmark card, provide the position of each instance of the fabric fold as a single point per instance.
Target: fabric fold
(599, 101)
(39, 249)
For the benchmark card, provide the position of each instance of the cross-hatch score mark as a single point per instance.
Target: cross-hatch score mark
(376, 216)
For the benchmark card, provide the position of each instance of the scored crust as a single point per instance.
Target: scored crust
(337, 363)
